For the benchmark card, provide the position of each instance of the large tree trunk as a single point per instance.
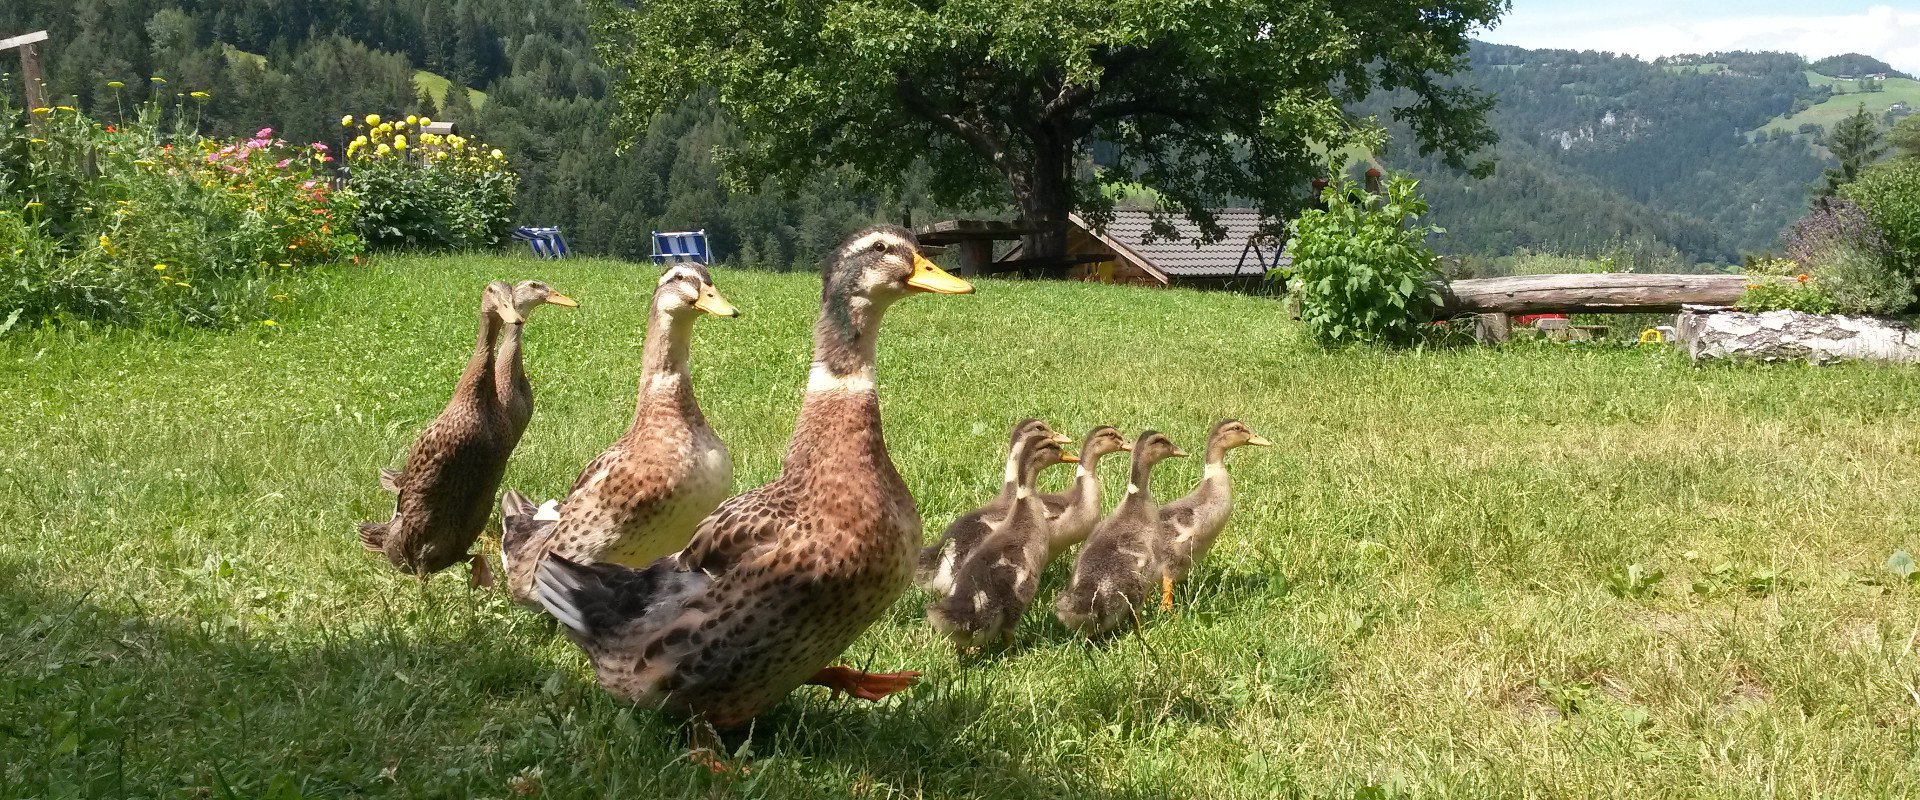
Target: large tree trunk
(1591, 293)
(1797, 336)
(1046, 198)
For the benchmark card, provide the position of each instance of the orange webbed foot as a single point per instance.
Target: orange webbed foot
(1166, 593)
(705, 750)
(864, 685)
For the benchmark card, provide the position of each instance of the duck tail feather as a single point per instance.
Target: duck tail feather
(373, 536)
(390, 479)
(592, 599)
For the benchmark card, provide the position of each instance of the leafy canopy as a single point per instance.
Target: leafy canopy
(1207, 102)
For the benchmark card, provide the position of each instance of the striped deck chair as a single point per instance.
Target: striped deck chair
(680, 247)
(546, 242)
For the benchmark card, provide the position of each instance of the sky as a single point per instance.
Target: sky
(1889, 31)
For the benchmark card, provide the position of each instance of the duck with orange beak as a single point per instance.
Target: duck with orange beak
(778, 581)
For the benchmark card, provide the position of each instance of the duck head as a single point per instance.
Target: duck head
(868, 273)
(529, 295)
(686, 291)
(1154, 447)
(1232, 433)
(1101, 441)
(497, 302)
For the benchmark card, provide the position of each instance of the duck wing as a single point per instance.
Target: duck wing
(738, 527)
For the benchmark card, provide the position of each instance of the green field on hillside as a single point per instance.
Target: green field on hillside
(436, 87)
(1540, 571)
(1840, 106)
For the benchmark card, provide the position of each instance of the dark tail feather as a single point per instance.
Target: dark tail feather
(594, 598)
(373, 536)
(518, 526)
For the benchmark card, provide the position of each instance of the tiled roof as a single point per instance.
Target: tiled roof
(1183, 258)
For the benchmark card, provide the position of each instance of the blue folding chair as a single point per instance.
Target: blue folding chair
(546, 242)
(680, 247)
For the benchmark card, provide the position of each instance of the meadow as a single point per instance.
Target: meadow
(1543, 571)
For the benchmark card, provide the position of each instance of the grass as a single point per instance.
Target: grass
(1840, 106)
(437, 86)
(1427, 589)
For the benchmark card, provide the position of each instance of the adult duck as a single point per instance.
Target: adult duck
(778, 581)
(641, 498)
(445, 493)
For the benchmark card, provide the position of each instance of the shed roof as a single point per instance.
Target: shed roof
(1186, 257)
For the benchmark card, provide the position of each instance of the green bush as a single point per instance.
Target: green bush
(424, 191)
(1766, 292)
(1890, 193)
(144, 223)
(1364, 269)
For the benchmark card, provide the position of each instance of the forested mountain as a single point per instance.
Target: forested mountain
(1653, 163)
(1650, 161)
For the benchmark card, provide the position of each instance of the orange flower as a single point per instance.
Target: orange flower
(1803, 277)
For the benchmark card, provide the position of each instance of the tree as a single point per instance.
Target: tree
(1206, 103)
(1856, 143)
(1905, 138)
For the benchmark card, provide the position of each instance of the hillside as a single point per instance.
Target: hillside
(1847, 97)
(1395, 597)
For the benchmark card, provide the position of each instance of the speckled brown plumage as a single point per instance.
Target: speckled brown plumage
(1191, 524)
(778, 581)
(936, 565)
(1120, 559)
(997, 581)
(445, 493)
(641, 498)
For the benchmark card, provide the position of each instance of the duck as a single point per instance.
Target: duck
(1121, 556)
(1077, 510)
(1190, 525)
(641, 498)
(778, 581)
(934, 569)
(996, 583)
(445, 492)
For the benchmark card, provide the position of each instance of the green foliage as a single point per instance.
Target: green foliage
(1364, 269)
(146, 224)
(1635, 581)
(1799, 291)
(1890, 193)
(424, 191)
(1201, 102)
(1905, 137)
(1855, 142)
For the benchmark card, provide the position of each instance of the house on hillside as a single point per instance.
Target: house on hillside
(1121, 254)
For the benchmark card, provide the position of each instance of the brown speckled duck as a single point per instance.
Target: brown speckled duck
(997, 581)
(778, 581)
(641, 498)
(1191, 524)
(934, 570)
(446, 490)
(1120, 559)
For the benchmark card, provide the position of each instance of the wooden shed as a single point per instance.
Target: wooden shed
(1122, 253)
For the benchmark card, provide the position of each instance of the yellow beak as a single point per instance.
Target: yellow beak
(711, 302)
(1069, 458)
(1259, 441)
(1178, 453)
(562, 300)
(1061, 438)
(1126, 446)
(929, 277)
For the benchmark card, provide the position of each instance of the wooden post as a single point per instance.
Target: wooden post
(975, 255)
(30, 66)
(1493, 328)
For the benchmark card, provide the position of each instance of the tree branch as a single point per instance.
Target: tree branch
(978, 137)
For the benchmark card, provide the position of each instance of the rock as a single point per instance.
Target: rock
(1711, 334)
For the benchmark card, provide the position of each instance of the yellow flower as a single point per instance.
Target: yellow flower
(159, 268)
(383, 150)
(497, 155)
(116, 85)
(373, 119)
(183, 284)
(157, 79)
(413, 119)
(270, 323)
(424, 122)
(440, 156)
(67, 108)
(346, 121)
(399, 142)
(199, 95)
(43, 110)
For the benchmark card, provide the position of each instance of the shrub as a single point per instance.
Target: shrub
(1890, 194)
(1844, 251)
(1364, 269)
(133, 224)
(424, 191)
(1803, 293)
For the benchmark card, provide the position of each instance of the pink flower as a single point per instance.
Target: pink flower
(283, 163)
(325, 159)
(307, 185)
(264, 133)
(319, 146)
(213, 157)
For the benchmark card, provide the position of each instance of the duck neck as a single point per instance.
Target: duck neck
(841, 410)
(1214, 474)
(1086, 477)
(1139, 484)
(477, 379)
(509, 375)
(663, 363)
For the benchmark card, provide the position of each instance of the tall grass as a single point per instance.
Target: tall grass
(1412, 598)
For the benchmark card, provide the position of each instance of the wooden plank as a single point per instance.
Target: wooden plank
(1592, 293)
(23, 39)
(954, 231)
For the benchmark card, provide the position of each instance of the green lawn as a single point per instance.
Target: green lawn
(1413, 594)
(1840, 106)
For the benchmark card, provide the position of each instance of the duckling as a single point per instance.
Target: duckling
(446, 491)
(935, 568)
(641, 498)
(778, 581)
(997, 581)
(1110, 578)
(1191, 524)
(1077, 510)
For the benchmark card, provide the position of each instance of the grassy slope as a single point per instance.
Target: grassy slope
(1840, 106)
(436, 86)
(1412, 591)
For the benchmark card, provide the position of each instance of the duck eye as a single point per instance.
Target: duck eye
(879, 247)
